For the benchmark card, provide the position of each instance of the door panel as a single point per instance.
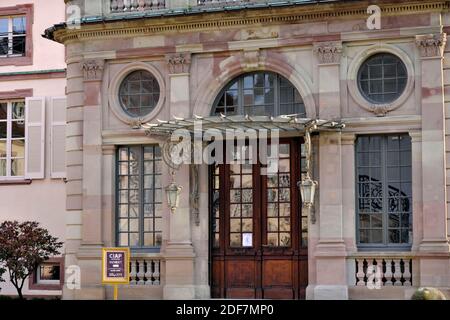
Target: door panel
(256, 229)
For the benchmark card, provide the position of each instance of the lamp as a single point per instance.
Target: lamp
(307, 185)
(307, 191)
(173, 195)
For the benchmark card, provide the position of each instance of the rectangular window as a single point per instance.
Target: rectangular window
(384, 191)
(48, 273)
(13, 36)
(139, 196)
(12, 139)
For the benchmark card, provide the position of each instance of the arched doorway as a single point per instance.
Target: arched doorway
(257, 231)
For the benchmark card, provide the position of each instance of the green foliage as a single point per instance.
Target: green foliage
(23, 246)
(428, 294)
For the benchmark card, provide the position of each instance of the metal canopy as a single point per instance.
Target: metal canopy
(283, 123)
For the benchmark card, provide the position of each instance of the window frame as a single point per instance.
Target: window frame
(10, 36)
(385, 246)
(152, 92)
(26, 10)
(398, 93)
(34, 284)
(9, 139)
(141, 247)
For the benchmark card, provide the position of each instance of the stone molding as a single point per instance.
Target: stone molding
(224, 20)
(380, 110)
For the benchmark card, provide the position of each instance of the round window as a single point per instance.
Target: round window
(382, 78)
(139, 93)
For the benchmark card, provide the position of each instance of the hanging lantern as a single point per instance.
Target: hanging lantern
(173, 196)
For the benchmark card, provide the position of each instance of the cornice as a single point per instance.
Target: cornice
(227, 20)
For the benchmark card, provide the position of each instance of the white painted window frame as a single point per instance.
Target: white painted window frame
(9, 140)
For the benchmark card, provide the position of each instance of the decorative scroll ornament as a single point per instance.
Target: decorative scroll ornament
(93, 69)
(431, 45)
(194, 194)
(179, 62)
(328, 52)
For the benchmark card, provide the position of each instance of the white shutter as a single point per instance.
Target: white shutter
(35, 137)
(58, 137)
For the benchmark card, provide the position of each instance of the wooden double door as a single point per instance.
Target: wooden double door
(258, 234)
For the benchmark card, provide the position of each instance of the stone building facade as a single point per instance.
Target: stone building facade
(382, 180)
(32, 129)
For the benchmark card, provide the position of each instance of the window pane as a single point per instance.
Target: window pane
(19, 25)
(18, 148)
(18, 110)
(2, 149)
(2, 167)
(18, 129)
(49, 272)
(19, 45)
(3, 111)
(4, 50)
(3, 128)
(17, 167)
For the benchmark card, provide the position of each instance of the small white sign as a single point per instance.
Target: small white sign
(247, 239)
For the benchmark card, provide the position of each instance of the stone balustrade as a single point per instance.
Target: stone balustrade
(145, 271)
(383, 271)
(124, 6)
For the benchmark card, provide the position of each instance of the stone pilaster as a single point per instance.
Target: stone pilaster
(433, 143)
(434, 246)
(89, 254)
(74, 166)
(348, 190)
(179, 252)
(329, 57)
(330, 251)
(416, 161)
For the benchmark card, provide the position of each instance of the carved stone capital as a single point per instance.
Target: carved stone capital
(431, 45)
(328, 52)
(93, 69)
(179, 62)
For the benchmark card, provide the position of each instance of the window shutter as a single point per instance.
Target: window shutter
(35, 137)
(58, 137)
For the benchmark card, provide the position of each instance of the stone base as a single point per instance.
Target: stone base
(203, 292)
(179, 292)
(89, 293)
(327, 292)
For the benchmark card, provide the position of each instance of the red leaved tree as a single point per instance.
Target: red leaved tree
(23, 246)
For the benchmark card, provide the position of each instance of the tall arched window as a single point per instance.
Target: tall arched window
(258, 94)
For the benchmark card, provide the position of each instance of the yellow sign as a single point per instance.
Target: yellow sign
(116, 266)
